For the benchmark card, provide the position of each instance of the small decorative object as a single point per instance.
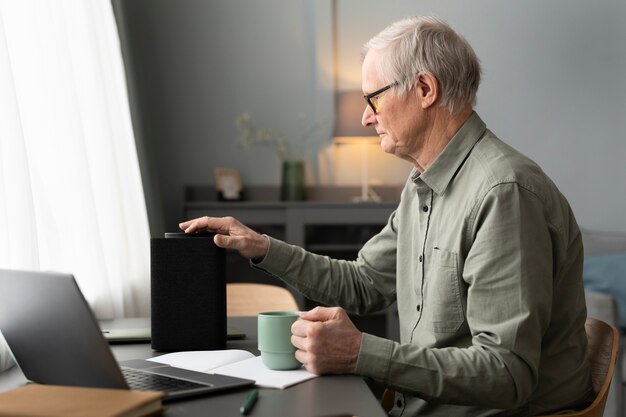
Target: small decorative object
(292, 154)
(228, 184)
(293, 187)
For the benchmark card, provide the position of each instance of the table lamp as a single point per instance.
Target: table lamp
(349, 131)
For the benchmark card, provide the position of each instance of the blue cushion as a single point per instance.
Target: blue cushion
(607, 274)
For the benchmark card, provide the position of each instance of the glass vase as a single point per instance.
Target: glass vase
(293, 187)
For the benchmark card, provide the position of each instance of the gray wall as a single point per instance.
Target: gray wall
(193, 66)
(553, 85)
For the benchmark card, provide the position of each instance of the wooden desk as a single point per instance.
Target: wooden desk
(324, 396)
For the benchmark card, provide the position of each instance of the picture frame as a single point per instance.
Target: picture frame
(228, 184)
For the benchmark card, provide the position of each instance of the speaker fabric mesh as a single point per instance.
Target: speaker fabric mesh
(188, 293)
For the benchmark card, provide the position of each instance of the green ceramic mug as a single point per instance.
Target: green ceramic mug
(274, 333)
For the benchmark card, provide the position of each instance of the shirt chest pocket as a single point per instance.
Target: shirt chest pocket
(442, 302)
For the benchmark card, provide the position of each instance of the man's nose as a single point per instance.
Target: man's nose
(369, 117)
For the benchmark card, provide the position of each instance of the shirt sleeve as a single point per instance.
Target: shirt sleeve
(508, 270)
(362, 286)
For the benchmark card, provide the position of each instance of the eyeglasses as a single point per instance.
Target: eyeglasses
(372, 98)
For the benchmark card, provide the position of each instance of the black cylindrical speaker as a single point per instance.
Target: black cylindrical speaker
(188, 284)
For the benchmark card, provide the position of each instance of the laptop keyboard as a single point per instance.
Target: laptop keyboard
(145, 381)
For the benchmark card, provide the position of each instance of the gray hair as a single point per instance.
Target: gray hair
(426, 44)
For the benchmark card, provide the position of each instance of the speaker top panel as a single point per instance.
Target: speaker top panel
(178, 235)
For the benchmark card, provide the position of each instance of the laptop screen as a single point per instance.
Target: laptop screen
(53, 333)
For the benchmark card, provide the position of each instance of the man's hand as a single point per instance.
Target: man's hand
(326, 341)
(230, 234)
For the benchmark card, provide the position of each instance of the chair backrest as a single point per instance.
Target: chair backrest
(603, 348)
(603, 345)
(243, 299)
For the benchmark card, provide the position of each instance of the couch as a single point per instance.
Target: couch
(604, 299)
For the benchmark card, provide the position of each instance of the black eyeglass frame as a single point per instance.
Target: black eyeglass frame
(368, 98)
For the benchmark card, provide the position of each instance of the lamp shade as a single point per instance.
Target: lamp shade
(348, 114)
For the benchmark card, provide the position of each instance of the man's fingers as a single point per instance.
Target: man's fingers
(194, 225)
(219, 224)
(320, 314)
(298, 328)
(221, 241)
(298, 342)
(212, 224)
(230, 242)
(301, 356)
(188, 227)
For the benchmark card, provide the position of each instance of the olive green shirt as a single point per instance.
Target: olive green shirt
(484, 258)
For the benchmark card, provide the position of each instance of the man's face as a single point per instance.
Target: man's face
(398, 120)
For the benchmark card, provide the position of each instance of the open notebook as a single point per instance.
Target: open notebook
(237, 363)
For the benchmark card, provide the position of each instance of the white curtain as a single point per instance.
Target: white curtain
(71, 198)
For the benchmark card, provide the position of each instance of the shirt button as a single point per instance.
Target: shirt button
(399, 403)
(425, 209)
(421, 258)
(418, 307)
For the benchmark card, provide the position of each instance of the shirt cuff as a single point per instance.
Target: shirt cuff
(374, 359)
(273, 262)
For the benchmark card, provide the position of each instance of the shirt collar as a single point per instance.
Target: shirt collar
(439, 174)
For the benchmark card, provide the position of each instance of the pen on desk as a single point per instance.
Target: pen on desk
(249, 402)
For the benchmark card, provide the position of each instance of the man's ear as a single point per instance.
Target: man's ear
(427, 89)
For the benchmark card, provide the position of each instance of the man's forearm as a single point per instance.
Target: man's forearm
(320, 278)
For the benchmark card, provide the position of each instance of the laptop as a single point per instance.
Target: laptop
(55, 339)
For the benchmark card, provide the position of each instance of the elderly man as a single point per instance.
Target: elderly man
(483, 253)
